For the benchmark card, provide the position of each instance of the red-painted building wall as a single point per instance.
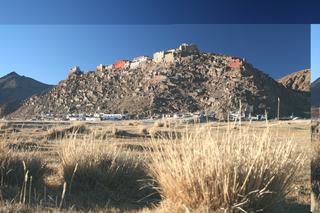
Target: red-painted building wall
(120, 64)
(234, 63)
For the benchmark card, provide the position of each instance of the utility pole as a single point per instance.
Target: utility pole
(278, 109)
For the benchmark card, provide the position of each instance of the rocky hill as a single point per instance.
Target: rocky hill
(315, 93)
(298, 81)
(14, 89)
(178, 80)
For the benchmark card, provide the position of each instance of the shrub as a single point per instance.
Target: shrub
(4, 125)
(144, 131)
(96, 169)
(17, 170)
(158, 124)
(60, 132)
(231, 171)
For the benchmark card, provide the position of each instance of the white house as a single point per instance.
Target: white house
(73, 118)
(101, 68)
(75, 69)
(111, 117)
(137, 61)
(92, 119)
(109, 67)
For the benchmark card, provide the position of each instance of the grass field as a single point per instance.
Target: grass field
(315, 166)
(163, 166)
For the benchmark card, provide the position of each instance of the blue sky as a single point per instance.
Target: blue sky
(158, 12)
(315, 51)
(47, 52)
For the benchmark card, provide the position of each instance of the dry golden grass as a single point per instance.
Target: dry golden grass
(117, 167)
(93, 166)
(60, 132)
(144, 131)
(20, 174)
(159, 124)
(165, 123)
(233, 171)
(3, 125)
(315, 166)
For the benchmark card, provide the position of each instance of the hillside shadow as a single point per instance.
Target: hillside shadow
(293, 207)
(125, 189)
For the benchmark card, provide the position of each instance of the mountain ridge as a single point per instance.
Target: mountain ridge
(14, 89)
(298, 81)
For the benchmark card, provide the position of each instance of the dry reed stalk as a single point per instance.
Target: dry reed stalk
(63, 194)
(72, 177)
(30, 189)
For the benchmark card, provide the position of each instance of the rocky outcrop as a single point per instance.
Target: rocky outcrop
(189, 83)
(298, 81)
(14, 89)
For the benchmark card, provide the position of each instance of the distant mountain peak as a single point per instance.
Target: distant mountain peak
(11, 74)
(14, 89)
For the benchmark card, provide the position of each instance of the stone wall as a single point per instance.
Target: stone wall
(137, 61)
(158, 56)
(187, 49)
(169, 57)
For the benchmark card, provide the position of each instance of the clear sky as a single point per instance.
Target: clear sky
(315, 51)
(158, 12)
(47, 52)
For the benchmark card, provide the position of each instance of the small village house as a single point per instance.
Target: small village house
(109, 67)
(137, 61)
(75, 69)
(112, 117)
(101, 68)
(169, 56)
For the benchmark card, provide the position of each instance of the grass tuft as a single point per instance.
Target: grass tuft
(231, 170)
(17, 170)
(60, 132)
(96, 169)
